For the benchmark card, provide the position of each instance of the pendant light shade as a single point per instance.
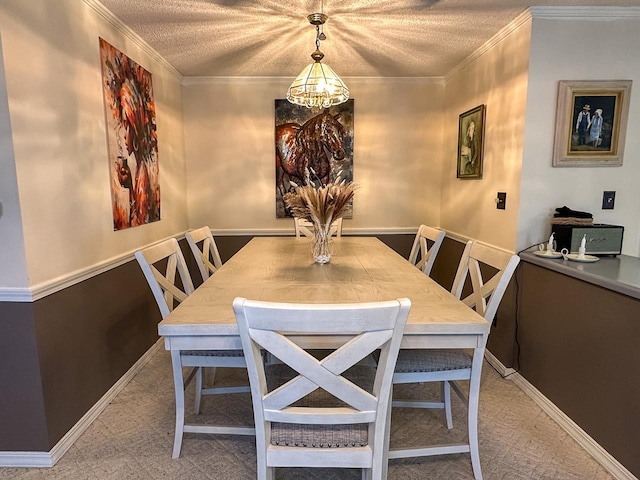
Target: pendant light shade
(318, 85)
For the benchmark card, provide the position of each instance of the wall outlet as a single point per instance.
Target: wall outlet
(608, 200)
(501, 201)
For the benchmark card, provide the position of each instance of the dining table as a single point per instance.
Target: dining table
(362, 269)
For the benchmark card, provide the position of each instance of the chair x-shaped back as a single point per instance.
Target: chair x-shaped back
(207, 257)
(325, 374)
(164, 288)
(420, 246)
(355, 331)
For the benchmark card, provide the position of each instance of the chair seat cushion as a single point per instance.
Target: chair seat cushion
(319, 436)
(212, 353)
(313, 435)
(416, 360)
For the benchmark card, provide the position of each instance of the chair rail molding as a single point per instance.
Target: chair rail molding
(41, 290)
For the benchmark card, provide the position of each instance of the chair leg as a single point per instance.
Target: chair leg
(212, 376)
(474, 397)
(375, 473)
(384, 467)
(176, 364)
(446, 400)
(265, 473)
(198, 395)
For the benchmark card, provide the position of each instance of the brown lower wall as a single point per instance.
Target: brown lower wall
(22, 418)
(88, 336)
(62, 353)
(59, 355)
(579, 347)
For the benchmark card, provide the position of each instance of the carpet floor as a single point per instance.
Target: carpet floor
(133, 437)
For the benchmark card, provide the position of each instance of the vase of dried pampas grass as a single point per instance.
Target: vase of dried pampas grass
(321, 244)
(321, 205)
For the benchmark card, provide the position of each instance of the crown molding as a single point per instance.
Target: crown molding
(554, 13)
(115, 22)
(586, 13)
(503, 33)
(215, 80)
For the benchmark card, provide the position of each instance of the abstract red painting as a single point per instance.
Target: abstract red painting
(132, 140)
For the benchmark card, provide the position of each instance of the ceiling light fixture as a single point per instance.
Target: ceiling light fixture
(318, 85)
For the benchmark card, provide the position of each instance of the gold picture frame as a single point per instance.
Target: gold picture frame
(591, 123)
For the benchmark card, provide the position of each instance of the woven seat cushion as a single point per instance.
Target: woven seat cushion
(212, 353)
(411, 360)
(319, 436)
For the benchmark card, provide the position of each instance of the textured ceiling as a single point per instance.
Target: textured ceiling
(372, 38)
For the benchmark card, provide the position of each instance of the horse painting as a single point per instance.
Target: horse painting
(312, 146)
(308, 146)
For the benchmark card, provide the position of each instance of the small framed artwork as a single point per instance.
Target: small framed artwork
(591, 123)
(471, 142)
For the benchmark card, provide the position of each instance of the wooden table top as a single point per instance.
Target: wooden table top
(281, 269)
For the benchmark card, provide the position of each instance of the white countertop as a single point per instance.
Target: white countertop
(620, 274)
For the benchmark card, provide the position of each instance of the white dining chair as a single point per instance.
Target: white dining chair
(160, 263)
(204, 250)
(321, 412)
(425, 248)
(490, 271)
(304, 228)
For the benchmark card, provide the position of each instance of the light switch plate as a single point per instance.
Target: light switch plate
(501, 201)
(608, 200)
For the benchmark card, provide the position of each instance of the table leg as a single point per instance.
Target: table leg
(178, 381)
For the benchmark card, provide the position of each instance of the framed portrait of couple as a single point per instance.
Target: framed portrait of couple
(470, 143)
(591, 123)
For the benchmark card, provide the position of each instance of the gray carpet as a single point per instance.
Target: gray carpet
(133, 437)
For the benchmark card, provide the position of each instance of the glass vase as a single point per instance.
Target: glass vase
(321, 244)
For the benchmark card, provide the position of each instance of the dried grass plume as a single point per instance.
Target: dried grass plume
(323, 204)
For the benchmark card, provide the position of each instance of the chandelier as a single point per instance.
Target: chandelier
(318, 85)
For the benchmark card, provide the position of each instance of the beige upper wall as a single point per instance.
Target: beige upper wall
(229, 135)
(496, 78)
(53, 78)
(606, 50)
(405, 143)
(13, 273)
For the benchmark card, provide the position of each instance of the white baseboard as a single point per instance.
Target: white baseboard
(497, 364)
(49, 459)
(603, 457)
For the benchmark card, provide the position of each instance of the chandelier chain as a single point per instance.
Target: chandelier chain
(318, 85)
